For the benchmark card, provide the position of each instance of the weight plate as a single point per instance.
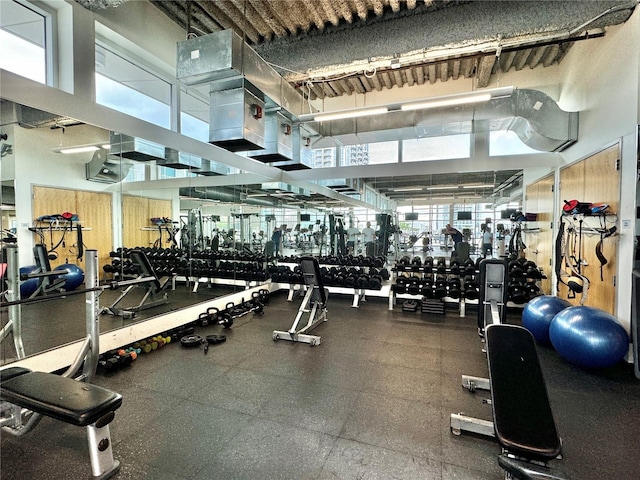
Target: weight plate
(215, 339)
(191, 341)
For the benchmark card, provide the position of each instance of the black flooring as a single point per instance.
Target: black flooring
(371, 402)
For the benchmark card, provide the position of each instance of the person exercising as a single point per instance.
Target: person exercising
(456, 235)
(352, 239)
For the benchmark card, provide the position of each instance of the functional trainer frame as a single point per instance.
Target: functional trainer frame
(316, 296)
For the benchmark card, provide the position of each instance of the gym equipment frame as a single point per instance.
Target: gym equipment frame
(26, 396)
(316, 296)
(153, 288)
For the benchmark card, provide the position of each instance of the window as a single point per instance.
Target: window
(436, 148)
(194, 115)
(369, 154)
(506, 142)
(23, 35)
(128, 88)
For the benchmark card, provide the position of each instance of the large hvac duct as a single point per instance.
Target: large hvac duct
(249, 100)
(135, 148)
(532, 115)
(222, 194)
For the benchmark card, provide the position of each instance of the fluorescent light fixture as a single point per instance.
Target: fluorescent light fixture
(341, 114)
(448, 101)
(80, 149)
(443, 187)
(466, 98)
(407, 189)
(483, 185)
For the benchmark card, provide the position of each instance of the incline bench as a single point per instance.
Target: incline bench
(317, 295)
(523, 421)
(62, 398)
(154, 288)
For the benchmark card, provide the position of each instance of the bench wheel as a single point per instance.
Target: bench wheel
(456, 431)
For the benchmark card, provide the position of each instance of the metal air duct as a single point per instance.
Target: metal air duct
(222, 195)
(532, 115)
(242, 86)
(278, 145)
(180, 160)
(106, 168)
(135, 148)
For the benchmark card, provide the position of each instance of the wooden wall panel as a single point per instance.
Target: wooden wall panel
(136, 215)
(95, 214)
(539, 234)
(595, 179)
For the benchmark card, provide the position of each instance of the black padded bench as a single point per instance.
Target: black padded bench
(316, 296)
(70, 401)
(523, 421)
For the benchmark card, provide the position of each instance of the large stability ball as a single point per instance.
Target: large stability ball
(538, 313)
(588, 337)
(28, 287)
(73, 279)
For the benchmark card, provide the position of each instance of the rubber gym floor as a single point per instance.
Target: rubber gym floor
(371, 402)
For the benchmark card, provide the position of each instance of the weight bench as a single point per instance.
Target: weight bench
(153, 289)
(317, 296)
(31, 394)
(48, 280)
(523, 421)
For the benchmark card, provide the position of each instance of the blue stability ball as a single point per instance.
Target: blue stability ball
(73, 279)
(28, 287)
(588, 337)
(538, 313)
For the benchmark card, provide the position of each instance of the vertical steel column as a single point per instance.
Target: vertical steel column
(92, 314)
(13, 294)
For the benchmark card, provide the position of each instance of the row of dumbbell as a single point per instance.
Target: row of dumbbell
(438, 287)
(228, 255)
(519, 291)
(345, 260)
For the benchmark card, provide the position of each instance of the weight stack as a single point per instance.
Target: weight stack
(433, 305)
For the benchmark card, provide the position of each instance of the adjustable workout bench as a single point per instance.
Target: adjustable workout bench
(317, 294)
(523, 421)
(27, 395)
(153, 288)
(48, 281)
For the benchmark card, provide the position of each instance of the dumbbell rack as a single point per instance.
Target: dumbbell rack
(359, 294)
(429, 305)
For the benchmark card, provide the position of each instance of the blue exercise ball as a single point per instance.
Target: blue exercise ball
(73, 279)
(538, 313)
(28, 287)
(588, 337)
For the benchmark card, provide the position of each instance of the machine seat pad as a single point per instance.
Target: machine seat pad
(522, 416)
(62, 398)
(9, 373)
(522, 470)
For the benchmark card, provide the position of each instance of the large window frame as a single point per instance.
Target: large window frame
(49, 47)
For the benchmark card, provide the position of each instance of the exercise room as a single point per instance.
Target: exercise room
(278, 239)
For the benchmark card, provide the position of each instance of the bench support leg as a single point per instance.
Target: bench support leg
(461, 423)
(103, 465)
